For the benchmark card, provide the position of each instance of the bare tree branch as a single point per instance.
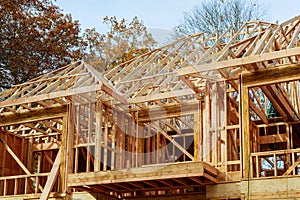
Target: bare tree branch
(219, 15)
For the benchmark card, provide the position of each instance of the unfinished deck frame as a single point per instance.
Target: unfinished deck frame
(206, 114)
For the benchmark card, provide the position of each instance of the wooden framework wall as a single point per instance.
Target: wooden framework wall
(206, 113)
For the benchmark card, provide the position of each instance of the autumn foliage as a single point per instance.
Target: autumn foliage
(35, 38)
(123, 41)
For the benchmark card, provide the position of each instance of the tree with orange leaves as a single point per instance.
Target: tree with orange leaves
(35, 38)
(122, 42)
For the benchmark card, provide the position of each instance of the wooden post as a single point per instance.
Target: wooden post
(148, 145)
(105, 135)
(38, 171)
(98, 134)
(118, 138)
(78, 132)
(121, 141)
(196, 135)
(140, 145)
(154, 149)
(130, 147)
(240, 126)
(66, 152)
(224, 133)
(206, 125)
(113, 145)
(63, 154)
(214, 126)
(88, 149)
(70, 144)
(133, 141)
(201, 131)
(245, 131)
(158, 147)
(29, 163)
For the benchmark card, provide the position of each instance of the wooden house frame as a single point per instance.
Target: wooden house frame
(207, 116)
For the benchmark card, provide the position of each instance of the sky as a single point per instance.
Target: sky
(163, 14)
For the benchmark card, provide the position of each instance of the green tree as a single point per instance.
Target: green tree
(122, 42)
(212, 15)
(35, 38)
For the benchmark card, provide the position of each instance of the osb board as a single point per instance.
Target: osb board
(272, 188)
(224, 190)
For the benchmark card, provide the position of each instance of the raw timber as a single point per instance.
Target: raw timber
(206, 117)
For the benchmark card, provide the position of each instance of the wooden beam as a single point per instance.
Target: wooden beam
(144, 174)
(53, 95)
(165, 95)
(266, 90)
(52, 177)
(167, 111)
(138, 185)
(32, 115)
(181, 181)
(272, 75)
(187, 81)
(114, 93)
(50, 161)
(106, 86)
(291, 168)
(151, 183)
(259, 112)
(45, 146)
(240, 61)
(197, 180)
(166, 182)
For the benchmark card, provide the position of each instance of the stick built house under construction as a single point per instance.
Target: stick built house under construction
(208, 117)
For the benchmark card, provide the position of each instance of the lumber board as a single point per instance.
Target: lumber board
(52, 177)
(197, 136)
(272, 75)
(271, 188)
(32, 115)
(246, 131)
(146, 173)
(45, 146)
(167, 111)
(53, 95)
(240, 61)
(158, 96)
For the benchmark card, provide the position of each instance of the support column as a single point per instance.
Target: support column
(98, 134)
(140, 145)
(245, 131)
(196, 135)
(70, 143)
(66, 153)
(63, 154)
